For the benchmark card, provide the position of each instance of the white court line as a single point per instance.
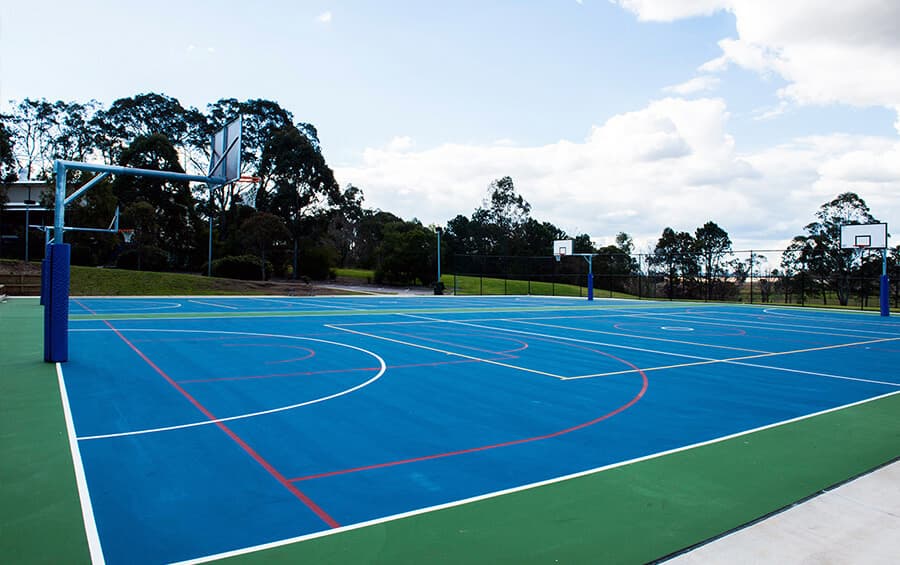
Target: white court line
(702, 360)
(563, 338)
(214, 304)
(377, 376)
(305, 302)
(817, 374)
(759, 325)
(444, 351)
(663, 339)
(87, 510)
(538, 484)
(736, 361)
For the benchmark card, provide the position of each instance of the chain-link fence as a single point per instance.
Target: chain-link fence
(754, 277)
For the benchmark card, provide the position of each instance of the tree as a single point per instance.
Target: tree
(32, 125)
(141, 217)
(370, 234)
(144, 115)
(496, 224)
(173, 200)
(504, 207)
(344, 223)
(296, 182)
(536, 238)
(7, 156)
(713, 244)
(625, 243)
(261, 231)
(820, 248)
(260, 119)
(675, 252)
(407, 253)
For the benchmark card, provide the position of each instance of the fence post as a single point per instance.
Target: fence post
(640, 276)
(802, 283)
(751, 276)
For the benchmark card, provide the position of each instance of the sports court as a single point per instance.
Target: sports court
(209, 427)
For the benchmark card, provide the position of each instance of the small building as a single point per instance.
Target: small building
(23, 206)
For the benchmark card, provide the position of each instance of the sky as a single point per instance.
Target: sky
(609, 115)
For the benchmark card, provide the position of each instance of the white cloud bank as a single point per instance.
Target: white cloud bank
(672, 163)
(828, 52)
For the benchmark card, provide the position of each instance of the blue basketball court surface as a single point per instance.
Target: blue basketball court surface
(209, 425)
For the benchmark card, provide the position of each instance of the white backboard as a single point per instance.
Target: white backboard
(225, 152)
(873, 236)
(563, 247)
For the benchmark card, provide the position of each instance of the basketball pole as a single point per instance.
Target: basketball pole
(56, 301)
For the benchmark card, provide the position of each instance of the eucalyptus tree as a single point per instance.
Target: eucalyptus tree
(296, 182)
(179, 221)
(7, 156)
(819, 248)
(32, 123)
(407, 254)
(261, 231)
(144, 115)
(676, 253)
(713, 245)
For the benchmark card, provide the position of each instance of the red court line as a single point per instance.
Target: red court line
(78, 302)
(324, 516)
(626, 406)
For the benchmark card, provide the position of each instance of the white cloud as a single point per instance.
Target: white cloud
(671, 163)
(324, 18)
(670, 10)
(696, 85)
(400, 143)
(828, 52)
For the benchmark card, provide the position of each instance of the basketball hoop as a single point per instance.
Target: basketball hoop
(248, 179)
(127, 235)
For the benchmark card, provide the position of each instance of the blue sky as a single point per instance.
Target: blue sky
(610, 116)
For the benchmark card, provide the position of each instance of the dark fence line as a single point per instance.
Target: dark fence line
(486, 275)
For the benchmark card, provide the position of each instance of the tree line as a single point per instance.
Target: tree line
(296, 219)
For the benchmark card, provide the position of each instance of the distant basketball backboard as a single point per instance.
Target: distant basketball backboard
(225, 153)
(563, 247)
(864, 236)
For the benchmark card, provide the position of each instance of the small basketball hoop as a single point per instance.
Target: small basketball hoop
(127, 235)
(560, 254)
(248, 179)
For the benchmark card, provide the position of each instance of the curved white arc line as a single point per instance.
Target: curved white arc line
(377, 376)
(165, 306)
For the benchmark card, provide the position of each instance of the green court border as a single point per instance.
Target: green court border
(630, 514)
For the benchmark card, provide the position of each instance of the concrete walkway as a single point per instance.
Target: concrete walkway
(858, 522)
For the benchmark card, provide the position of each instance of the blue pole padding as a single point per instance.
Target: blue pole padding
(590, 286)
(885, 296)
(56, 311)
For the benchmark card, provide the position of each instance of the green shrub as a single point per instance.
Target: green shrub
(316, 262)
(244, 267)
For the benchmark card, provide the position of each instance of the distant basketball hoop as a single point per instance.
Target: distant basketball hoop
(870, 236)
(127, 235)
